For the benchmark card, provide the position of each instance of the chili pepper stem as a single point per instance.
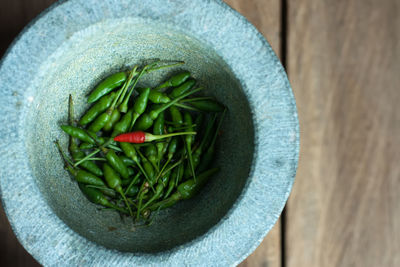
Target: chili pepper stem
(165, 66)
(186, 107)
(131, 183)
(87, 157)
(162, 169)
(67, 161)
(122, 92)
(115, 148)
(173, 102)
(170, 168)
(126, 201)
(134, 119)
(100, 187)
(151, 137)
(124, 104)
(193, 99)
(218, 128)
(145, 174)
(189, 152)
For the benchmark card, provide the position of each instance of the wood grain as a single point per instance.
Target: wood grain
(344, 65)
(14, 15)
(265, 15)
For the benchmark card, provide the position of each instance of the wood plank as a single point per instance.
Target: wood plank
(14, 15)
(266, 17)
(344, 64)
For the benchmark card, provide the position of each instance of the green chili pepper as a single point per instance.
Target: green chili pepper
(78, 133)
(143, 123)
(140, 106)
(208, 105)
(100, 122)
(176, 115)
(151, 154)
(148, 168)
(102, 105)
(158, 129)
(208, 156)
(105, 117)
(88, 165)
(124, 105)
(107, 85)
(156, 195)
(176, 92)
(155, 96)
(133, 190)
(143, 191)
(171, 184)
(95, 196)
(123, 125)
(75, 152)
(131, 171)
(130, 152)
(189, 188)
(175, 80)
(166, 203)
(81, 176)
(172, 146)
(159, 189)
(115, 116)
(127, 161)
(198, 152)
(114, 181)
(188, 142)
(87, 146)
(133, 182)
(116, 163)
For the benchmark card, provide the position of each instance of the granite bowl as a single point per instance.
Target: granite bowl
(73, 45)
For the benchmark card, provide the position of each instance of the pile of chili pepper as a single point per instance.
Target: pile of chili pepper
(140, 150)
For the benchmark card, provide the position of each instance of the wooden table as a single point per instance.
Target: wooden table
(343, 60)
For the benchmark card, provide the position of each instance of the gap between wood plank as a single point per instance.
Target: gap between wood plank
(283, 55)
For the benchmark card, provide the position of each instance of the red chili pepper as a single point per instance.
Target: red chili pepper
(139, 137)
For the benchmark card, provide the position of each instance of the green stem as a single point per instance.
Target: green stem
(162, 169)
(94, 159)
(186, 107)
(196, 99)
(87, 157)
(126, 202)
(150, 138)
(218, 128)
(115, 148)
(67, 160)
(100, 187)
(126, 98)
(189, 152)
(177, 63)
(173, 102)
(124, 88)
(131, 183)
(170, 168)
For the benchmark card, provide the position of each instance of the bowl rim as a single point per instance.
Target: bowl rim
(269, 92)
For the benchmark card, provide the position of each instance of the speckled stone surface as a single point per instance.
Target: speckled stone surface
(71, 47)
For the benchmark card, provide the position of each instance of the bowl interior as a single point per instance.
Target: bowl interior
(75, 68)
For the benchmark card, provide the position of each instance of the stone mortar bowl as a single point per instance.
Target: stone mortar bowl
(73, 45)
